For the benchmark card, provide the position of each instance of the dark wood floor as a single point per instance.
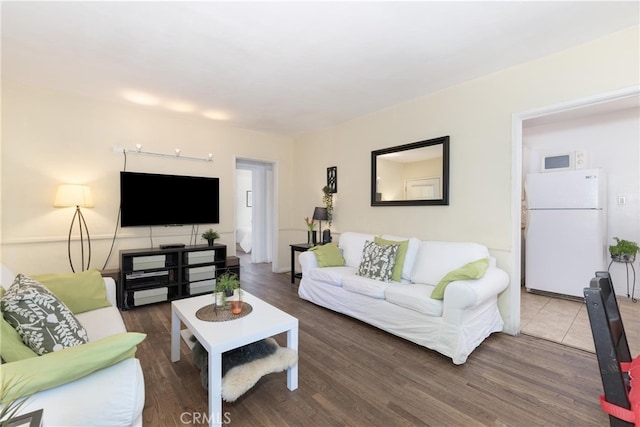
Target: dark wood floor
(351, 374)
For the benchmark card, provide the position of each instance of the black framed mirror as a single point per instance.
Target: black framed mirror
(413, 174)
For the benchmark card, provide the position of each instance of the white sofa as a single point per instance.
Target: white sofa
(454, 326)
(113, 396)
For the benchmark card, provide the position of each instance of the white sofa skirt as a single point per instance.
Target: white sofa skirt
(456, 341)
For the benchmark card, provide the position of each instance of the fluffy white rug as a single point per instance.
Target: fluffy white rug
(241, 378)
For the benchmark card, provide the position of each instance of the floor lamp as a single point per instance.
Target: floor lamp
(70, 195)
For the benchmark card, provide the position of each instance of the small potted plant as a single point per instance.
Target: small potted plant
(623, 250)
(210, 236)
(226, 284)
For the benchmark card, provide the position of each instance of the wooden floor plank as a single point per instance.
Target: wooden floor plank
(352, 374)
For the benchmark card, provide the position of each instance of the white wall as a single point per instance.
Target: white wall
(49, 138)
(611, 142)
(477, 115)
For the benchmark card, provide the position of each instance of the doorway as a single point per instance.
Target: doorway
(255, 210)
(573, 108)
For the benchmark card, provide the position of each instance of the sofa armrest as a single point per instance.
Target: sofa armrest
(110, 286)
(463, 294)
(308, 261)
(121, 391)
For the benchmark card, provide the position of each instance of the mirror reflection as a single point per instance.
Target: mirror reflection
(411, 174)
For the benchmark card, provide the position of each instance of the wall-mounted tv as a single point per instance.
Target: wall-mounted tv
(154, 199)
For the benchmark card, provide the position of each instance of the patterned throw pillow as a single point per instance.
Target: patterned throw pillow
(42, 320)
(378, 261)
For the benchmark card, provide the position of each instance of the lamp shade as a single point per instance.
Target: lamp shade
(320, 214)
(73, 195)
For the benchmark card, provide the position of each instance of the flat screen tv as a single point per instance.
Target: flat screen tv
(154, 199)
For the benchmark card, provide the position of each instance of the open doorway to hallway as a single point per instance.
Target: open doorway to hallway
(255, 210)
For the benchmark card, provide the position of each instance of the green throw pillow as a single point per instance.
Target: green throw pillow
(70, 364)
(396, 276)
(328, 255)
(377, 261)
(42, 320)
(79, 291)
(473, 270)
(11, 346)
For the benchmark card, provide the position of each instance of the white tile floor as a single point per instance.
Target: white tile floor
(567, 322)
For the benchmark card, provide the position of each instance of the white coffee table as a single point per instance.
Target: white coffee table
(217, 337)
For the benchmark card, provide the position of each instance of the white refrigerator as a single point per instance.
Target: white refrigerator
(565, 231)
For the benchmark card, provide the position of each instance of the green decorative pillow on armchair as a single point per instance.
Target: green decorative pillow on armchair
(42, 320)
(11, 346)
(80, 292)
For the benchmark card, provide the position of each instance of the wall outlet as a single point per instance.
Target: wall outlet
(118, 149)
(622, 200)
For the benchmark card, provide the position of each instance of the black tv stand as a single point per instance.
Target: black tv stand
(172, 246)
(154, 275)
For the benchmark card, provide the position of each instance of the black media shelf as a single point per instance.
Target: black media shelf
(164, 274)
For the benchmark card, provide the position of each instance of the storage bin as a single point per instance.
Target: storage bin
(201, 287)
(201, 273)
(149, 261)
(149, 296)
(201, 257)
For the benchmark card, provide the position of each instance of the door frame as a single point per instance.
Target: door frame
(512, 324)
(274, 204)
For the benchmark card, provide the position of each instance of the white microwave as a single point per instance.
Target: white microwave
(563, 161)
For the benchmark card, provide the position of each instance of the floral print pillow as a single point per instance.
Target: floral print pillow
(378, 261)
(42, 320)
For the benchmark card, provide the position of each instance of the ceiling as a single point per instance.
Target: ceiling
(285, 67)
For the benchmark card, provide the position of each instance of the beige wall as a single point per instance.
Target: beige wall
(477, 115)
(49, 138)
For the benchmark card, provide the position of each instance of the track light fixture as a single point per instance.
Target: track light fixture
(177, 153)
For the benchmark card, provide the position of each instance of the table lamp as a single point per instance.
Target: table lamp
(321, 215)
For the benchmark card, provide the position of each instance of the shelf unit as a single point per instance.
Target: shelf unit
(155, 275)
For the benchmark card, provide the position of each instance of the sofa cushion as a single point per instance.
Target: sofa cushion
(378, 261)
(365, 286)
(331, 275)
(410, 257)
(102, 322)
(61, 367)
(42, 320)
(79, 291)
(403, 245)
(472, 270)
(352, 245)
(436, 259)
(328, 255)
(414, 297)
